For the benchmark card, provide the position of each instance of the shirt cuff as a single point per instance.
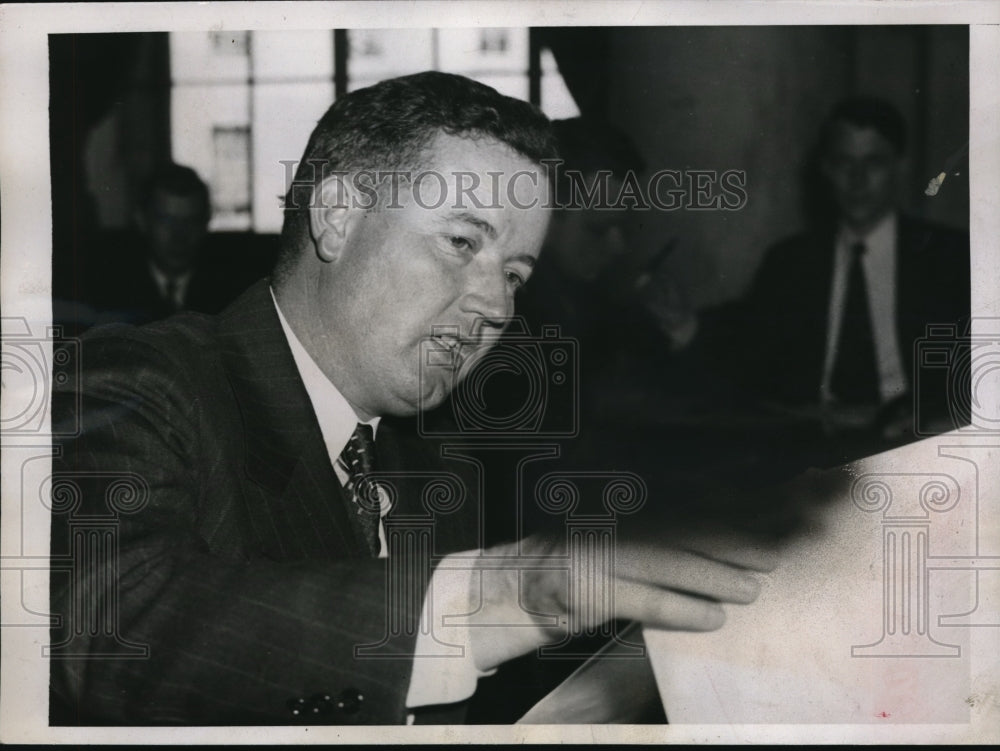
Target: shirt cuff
(444, 669)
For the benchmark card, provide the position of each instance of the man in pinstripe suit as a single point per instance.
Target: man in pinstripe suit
(244, 574)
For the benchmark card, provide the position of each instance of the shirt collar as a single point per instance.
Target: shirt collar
(161, 279)
(881, 235)
(337, 419)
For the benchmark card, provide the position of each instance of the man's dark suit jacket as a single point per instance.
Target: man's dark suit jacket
(786, 314)
(239, 569)
(122, 287)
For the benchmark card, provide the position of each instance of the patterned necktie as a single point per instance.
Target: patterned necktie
(855, 373)
(358, 458)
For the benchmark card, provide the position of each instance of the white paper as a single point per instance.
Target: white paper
(886, 613)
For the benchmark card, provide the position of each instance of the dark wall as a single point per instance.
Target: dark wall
(750, 98)
(108, 127)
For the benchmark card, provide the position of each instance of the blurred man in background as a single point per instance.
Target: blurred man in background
(166, 269)
(593, 284)
(835, 312)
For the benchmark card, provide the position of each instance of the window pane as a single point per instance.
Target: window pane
(510, 85)
(557, 103)
(483, 50)
(231, 177)
(209, 56)
(205, 126)
(283, 55)
(284, 117)
(374, 54)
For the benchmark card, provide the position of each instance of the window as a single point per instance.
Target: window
(241, 100)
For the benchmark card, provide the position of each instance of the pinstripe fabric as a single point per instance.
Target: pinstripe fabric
(241, 571)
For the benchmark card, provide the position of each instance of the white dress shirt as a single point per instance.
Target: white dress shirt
(180, 284)
(444, 671)
(879, 267)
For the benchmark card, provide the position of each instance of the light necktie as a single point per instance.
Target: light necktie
(855, 373)
(170, 294)
(359, 461)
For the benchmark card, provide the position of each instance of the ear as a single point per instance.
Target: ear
(328, 216)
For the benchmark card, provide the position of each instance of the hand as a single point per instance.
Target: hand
(659, 293)
(671, 582)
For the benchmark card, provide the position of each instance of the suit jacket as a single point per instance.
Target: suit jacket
(121, 287)
(787, 308)
(227, 548)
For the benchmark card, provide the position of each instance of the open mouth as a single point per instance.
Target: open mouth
(458, 350)
(448, 342)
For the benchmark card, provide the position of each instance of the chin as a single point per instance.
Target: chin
(412, 404)
(431, 401)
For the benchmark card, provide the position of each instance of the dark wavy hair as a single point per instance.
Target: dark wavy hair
(867, 112)
(388, 125)
(589, 146)
(176, 180)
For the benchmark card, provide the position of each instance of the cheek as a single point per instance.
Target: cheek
(407, 298)
(882, 181)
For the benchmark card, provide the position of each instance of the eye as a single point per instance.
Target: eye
(460, 243)
(514, 279)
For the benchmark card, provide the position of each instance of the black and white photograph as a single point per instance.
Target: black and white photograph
(483, 372)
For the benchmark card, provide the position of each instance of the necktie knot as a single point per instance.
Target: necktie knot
(858, 250)
(360, 449)
(359, 461)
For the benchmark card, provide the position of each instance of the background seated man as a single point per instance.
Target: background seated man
(165, 266)
(589, 279)
(835, 312)
(248, 473)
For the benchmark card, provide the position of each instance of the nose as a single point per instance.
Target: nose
(487, 299)
(858, 177)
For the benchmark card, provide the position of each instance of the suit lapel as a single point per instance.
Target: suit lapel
(296, 504)
(815, 282)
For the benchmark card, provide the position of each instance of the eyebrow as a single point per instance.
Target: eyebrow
(478, 222)
(491, 232)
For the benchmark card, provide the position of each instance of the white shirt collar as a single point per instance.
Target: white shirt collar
(180, 281)
(880, 237)
(337, 419)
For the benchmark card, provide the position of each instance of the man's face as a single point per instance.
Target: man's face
(584, 242)
(862, 168)
(175, 227)
(398, 275)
